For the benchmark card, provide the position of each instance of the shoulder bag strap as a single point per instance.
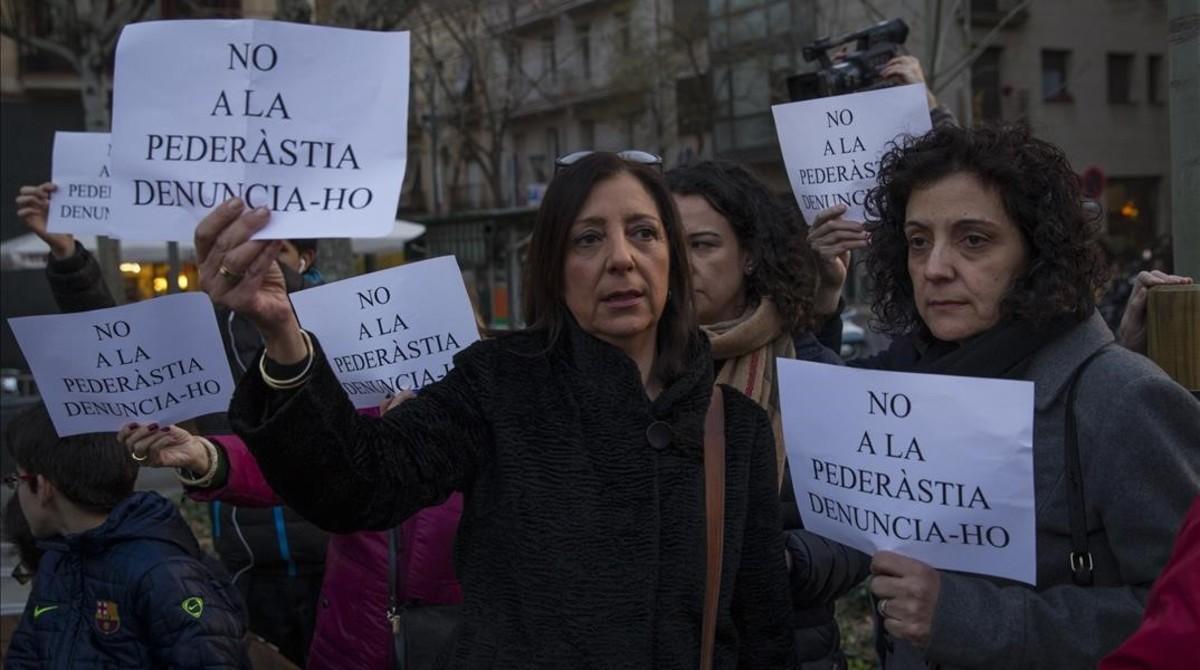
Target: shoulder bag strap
(399, 653)
(714, 506)
(1081, 558)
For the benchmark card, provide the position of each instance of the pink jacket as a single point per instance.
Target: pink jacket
(352, 629)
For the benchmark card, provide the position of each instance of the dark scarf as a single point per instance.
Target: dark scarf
(1004, 351)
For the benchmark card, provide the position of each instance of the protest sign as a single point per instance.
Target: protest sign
(934, 467)
(390, 330)
(309, 122)
(80, 170)
(832, 146)
(158, 360)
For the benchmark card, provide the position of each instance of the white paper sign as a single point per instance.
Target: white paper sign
(80, 169)
(934, 467)
(307, 121)
(158, 360)
(390, 330)
(832, 146)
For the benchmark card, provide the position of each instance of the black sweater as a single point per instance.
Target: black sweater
(581, 545)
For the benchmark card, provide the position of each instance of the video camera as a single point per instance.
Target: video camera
(858, 71)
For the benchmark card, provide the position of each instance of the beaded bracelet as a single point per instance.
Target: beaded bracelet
(206, 479)
(294, 382)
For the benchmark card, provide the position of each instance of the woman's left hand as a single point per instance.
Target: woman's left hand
(907, 590)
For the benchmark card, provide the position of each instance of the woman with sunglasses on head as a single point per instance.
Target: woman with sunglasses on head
(578, 444)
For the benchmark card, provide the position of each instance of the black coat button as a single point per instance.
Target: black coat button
(659, 434)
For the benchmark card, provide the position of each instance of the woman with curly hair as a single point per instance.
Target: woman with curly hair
(985, 264)
(753, 282)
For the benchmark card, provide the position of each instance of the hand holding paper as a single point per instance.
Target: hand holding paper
(242, 274)
(908, 591)
(33, 208)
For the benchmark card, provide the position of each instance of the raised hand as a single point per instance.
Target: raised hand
(834, 238)
(243, 275)
(33, 208)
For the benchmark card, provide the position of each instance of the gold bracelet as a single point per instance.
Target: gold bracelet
(213, 458)
(294, 382)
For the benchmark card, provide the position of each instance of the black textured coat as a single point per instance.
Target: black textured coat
(581, 545)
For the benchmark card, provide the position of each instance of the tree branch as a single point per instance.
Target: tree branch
(40, 44)
(952, 72)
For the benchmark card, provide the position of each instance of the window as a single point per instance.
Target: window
(1154, 79)
(1120, 78)
(583, 34)
(985, 86)
(552, 147)
(624, 31)
(1132, 207)
(587, 134)
(631, 121)
(1054, 75)
(549, 57)
(692, 104)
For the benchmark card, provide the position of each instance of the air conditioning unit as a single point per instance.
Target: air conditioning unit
(988, 13)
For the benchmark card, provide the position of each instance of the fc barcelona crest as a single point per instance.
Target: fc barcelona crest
(108, 621)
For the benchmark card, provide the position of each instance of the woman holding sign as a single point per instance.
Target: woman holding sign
(589, 537)
(986, 264)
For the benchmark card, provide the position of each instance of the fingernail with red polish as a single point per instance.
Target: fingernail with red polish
(152, 427)
(164, 429)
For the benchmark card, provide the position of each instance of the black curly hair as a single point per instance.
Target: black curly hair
(1042, 196)
(784, 266)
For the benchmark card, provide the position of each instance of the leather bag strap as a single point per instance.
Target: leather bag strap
(714, 512)
(1081, 557)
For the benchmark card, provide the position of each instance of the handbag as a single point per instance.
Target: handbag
(420, 632)
(714, 512)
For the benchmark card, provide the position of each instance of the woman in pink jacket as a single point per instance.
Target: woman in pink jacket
(352, 629)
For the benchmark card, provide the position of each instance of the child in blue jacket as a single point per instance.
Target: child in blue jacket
(122, 583)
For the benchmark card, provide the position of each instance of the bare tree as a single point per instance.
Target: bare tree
(83, 33)
(334, 255)
(470, 55)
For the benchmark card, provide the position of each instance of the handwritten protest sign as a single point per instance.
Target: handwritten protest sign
(309, 122)
(80, 170)
(934, 467)
(390, 330)
(158, 360)
(832, 146)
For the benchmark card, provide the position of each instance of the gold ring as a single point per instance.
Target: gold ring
(133, 455)
(229, 275)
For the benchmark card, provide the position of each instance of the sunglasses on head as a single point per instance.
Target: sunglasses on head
(631, 155)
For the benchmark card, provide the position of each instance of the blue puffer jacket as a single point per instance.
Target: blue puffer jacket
(135, 592)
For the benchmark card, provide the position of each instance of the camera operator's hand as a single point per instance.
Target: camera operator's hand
(907, 70)
(833, 237)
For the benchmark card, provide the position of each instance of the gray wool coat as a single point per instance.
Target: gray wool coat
(1139, 443)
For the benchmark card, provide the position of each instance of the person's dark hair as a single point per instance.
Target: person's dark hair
(1042, 196)
(544, 304)
(784, 267)
(306, 244)
(91, 470)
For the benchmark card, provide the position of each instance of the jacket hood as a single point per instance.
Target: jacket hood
(145, 515)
